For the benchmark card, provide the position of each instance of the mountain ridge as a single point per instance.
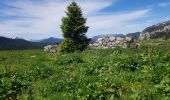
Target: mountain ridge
(51, 40)
(151, 31)
(18, 44)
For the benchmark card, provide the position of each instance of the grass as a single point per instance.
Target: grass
(105, 74)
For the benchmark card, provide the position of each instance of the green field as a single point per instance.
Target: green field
(106, 74)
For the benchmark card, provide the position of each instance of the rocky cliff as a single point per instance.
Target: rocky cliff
(161, 28)
(111, 42)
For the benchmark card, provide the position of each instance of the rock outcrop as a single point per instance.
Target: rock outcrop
(51, 48)
(111, 42)
(149, 31)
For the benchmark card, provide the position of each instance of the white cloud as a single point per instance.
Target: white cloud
(43, 19)
(111, 21)
(118, 23)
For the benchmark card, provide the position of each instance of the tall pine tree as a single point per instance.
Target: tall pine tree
(74, 29)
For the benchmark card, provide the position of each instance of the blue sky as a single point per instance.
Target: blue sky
(38, 19)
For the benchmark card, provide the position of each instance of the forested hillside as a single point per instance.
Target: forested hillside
(18, 44)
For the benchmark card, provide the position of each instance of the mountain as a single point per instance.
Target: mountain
(134, 35)
(18, 44)
(18, 38)
(51, 40)
(157, 31)
(48, 41)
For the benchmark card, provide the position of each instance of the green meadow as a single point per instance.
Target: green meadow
(95, 74)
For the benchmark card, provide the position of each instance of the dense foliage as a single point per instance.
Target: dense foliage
(105, 74)
(74, 29)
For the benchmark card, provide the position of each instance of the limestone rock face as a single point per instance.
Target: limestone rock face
(111, 42)
(161, 27)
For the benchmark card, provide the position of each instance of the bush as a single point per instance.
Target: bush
(11, 86)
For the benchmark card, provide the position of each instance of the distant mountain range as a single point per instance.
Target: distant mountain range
(157, 31)
(21, 44)
(18, 44)
(49, 41)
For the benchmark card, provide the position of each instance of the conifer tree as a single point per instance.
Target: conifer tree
(74, 29)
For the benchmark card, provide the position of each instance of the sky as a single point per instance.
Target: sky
(39, 19)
